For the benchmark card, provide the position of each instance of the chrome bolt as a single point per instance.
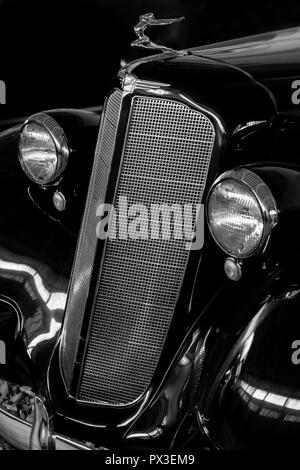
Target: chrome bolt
(59, 201)
(233, 269)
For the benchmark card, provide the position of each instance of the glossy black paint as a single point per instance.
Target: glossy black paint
(173, 397)
(237, 99)
(284, 183)
(230, 92)
(81, 129)
(113, 422)
(15, 364)
(249, 344)
(37, 245)
(271, 58)
(154, 423)
(203, 364)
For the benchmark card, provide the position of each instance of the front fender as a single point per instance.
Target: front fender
(249, 394)
(37, 245)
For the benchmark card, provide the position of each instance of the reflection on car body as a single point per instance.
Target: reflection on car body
(135, 342)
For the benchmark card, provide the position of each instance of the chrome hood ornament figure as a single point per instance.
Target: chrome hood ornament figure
(146, 20)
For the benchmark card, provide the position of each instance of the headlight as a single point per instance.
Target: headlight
(241, 212)
(43, 149)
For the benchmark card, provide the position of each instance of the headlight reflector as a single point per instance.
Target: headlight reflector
(43, 149)
(241, 212)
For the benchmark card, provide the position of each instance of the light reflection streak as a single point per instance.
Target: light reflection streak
(54, 328)
(258, 401)
(53, 301)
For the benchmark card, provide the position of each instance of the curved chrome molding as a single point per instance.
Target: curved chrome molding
(60, 141)
(131, 85)
(17, 310)
(40, 437)
(202, 423)
(264, 198)
(248, 125)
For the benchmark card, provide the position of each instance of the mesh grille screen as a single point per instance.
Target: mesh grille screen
(166, 158)
(82, 270)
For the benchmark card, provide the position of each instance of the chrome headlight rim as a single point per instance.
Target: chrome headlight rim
(60, 142)
(264, 198)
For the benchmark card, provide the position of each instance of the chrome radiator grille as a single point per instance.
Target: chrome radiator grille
(84, 261)
(166, 158)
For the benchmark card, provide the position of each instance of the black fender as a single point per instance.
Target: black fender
(249, 390)
(249, 332)
(37, 243)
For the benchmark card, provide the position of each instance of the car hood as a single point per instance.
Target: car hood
(262, 54)
(272, 58)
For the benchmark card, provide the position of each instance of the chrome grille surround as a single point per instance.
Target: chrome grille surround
(87, 242)
(166, 157)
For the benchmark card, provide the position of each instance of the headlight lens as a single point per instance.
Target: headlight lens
(241, 212)
(43, 149)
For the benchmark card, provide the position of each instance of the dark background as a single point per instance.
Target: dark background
(63, 53)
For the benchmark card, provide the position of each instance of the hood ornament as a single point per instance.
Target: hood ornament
(146, 20)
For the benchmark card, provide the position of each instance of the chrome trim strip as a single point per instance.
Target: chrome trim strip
(64, 443)
(14, 430)
(16, 308)
(86, 241)
(17, 433)
(131, 84)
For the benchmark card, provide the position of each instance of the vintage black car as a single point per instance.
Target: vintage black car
(147, 342)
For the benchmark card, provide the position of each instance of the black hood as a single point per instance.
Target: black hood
(272, 58)
(227, 90)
